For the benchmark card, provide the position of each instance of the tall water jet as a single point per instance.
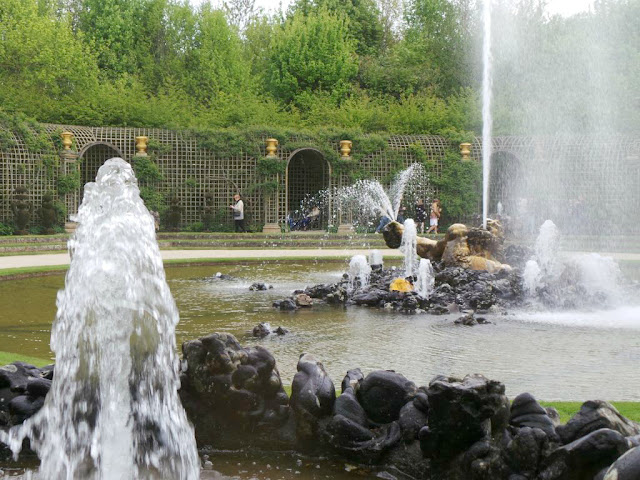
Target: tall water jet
(113, 411)
(486, 109)
(359, 272)
(426, 279)
(408, 247)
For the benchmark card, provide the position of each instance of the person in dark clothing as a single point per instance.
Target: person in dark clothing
(421, 216)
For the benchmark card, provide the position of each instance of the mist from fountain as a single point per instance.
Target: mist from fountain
(574, 280)
(113, 411)
(563, 86)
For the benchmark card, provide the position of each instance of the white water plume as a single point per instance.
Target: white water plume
(426, 279)
(113, 411)
(367, 200)
(573, 280)
(408, 247)
(359, 272)
(486, 109)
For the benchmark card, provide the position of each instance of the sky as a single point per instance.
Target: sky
(561, 7)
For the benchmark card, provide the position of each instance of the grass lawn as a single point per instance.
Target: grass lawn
(8, 357)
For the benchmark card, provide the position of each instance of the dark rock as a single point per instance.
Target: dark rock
(23, 407)
(261, 330)
(383, 393)
(411, 420)
(462, 412)
(347, 406)
(468, 320)
(358, 443)
(594, 415)
(287, 304)
(370, 298)
(526, 450)
(235, 394)
(627, 467)
(584, 457)
(259, 286)
(527, 412)
(312, 396)
(281, 331)
(38, 387)
(352, 379)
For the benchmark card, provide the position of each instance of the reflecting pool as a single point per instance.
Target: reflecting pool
(555, 356)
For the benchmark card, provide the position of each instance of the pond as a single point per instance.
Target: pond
(555, 356)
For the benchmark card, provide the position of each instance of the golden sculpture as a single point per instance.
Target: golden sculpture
(141, 146)
(465, 150)
(272, 147)
(473, 248)
(345, 147)
(67, 140)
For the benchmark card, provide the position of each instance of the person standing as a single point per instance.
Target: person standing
(238, 213)
(434, 216)
(421, 216)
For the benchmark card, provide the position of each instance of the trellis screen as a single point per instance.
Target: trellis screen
(190, 171)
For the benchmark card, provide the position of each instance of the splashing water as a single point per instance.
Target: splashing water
(113, 410)
(375, 258)
(359, 272)
(426, 279)
(366, 200)
(573, 280)
(408, 247)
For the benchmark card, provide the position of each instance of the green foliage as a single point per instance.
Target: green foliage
(153, 199)
(147, 170)
(270, 166)
(365, 27)
(69, 183)
(459, 185)
(6, 229)
(310, 54)
(33, 135)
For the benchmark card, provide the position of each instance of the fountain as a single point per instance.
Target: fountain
(113, 410)
(408, 246)
(425, 280)
(367, 200)
(359, 272)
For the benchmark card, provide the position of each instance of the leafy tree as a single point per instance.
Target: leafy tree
(365, 26)
(312, 54)
(215, 63)
(36, 75)
(441, 32)
(240, 12)
(110, 27)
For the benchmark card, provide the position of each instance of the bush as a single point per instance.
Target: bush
(6, 229)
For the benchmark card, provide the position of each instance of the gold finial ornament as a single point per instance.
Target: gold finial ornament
(272, 147)
(67, 140)
(345, 147)
(141, 146)
(465, 150)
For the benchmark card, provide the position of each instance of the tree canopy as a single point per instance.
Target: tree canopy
(375, 65)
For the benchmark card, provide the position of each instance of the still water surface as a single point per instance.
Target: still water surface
(555, 356)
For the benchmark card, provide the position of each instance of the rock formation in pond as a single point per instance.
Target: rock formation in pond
(462, 246)
(233, 394)
(451, 429)
(455, 289)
